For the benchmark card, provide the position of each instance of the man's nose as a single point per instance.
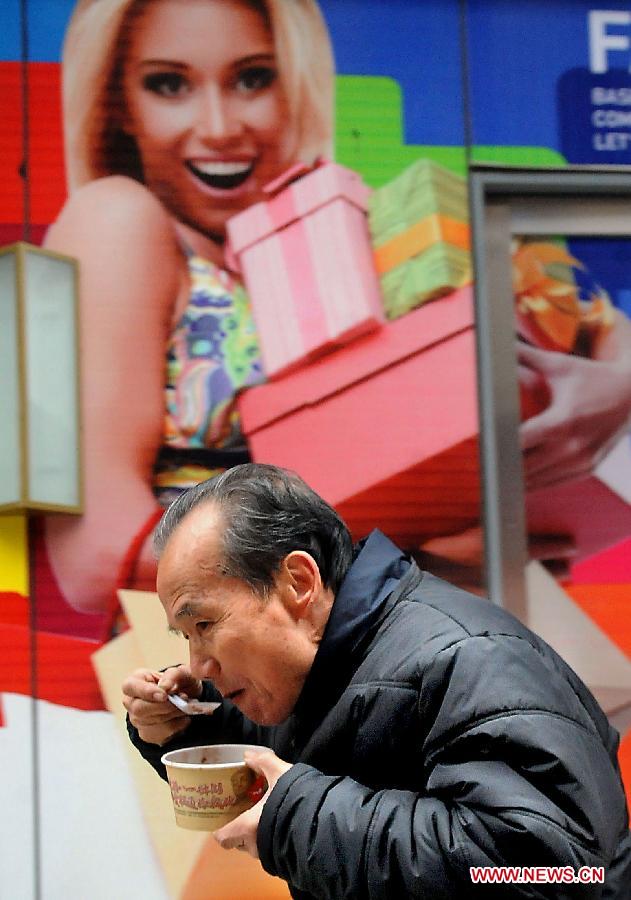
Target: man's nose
(216, 119)
(203, 665)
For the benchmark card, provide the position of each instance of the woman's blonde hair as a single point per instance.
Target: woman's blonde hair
(93, 58)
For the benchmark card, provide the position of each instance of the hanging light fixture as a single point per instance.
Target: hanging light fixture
(40, 468)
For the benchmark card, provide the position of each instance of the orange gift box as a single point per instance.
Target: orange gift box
(432, 230)
(420, 231)
(385, 429)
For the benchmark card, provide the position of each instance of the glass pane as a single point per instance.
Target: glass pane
(18, 790)
(51, 366)
(575, 382)
(9, 385)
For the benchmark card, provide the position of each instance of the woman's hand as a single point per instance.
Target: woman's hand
(150, 711)
(466, 548)
(241, 833)
(589, 410)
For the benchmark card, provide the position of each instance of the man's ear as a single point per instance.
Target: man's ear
(302, 579)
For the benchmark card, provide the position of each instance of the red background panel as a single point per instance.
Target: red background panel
(45, 147)
(63, 670)
(612, 566)
(63, 667)
(608, 606)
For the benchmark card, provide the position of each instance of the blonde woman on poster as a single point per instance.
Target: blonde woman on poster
(176, 114)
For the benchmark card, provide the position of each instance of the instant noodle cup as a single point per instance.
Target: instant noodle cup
(211, 785)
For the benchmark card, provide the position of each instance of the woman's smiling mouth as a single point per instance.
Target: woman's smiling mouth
(221, 175)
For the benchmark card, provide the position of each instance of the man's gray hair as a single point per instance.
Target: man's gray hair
(266, 513)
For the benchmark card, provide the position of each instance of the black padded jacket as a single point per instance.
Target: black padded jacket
(434, 733)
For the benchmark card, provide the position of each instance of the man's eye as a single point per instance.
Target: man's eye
(256, 78)
(166, 84)
(203, 626)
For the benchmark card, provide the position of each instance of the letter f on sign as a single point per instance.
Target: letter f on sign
(600, 42)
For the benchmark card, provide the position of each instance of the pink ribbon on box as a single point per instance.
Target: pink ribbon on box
(291, 174)
(282, 210)
(307, 302)
(281, 206)
(259, 220)
(286, 257)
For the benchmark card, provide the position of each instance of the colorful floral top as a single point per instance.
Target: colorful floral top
(212, 354)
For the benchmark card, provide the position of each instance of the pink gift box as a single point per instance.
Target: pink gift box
(307, 263)
(385, 428)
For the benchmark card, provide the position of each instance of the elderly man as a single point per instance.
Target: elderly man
(416, 730)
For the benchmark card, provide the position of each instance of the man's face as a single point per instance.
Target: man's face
(255, 651)
(241, 781)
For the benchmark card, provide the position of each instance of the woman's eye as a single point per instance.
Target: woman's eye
(166, 84)
(256, 78)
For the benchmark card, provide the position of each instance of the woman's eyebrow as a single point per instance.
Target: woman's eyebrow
(249, 60)
(254, 58)
(172, 64)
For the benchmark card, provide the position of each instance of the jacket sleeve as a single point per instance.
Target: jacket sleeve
(507, 777)
(225, 726)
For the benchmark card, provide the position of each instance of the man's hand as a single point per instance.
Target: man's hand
(241, 833)
(145, 699)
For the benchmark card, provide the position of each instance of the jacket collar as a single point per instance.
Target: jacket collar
(377, 569)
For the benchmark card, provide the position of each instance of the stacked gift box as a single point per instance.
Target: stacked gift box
(306, 260)
(381, 418)
(419, 225)
(385, 429)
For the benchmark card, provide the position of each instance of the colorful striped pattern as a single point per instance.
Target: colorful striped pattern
(609, 606)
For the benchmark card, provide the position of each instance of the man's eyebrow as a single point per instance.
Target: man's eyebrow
(187, 611)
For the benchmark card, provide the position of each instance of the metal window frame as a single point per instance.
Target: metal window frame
(507, 201)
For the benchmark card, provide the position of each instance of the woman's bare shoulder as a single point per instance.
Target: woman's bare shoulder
(115, 209)
(125, 243)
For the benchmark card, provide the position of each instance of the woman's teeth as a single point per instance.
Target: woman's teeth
(221, 175)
